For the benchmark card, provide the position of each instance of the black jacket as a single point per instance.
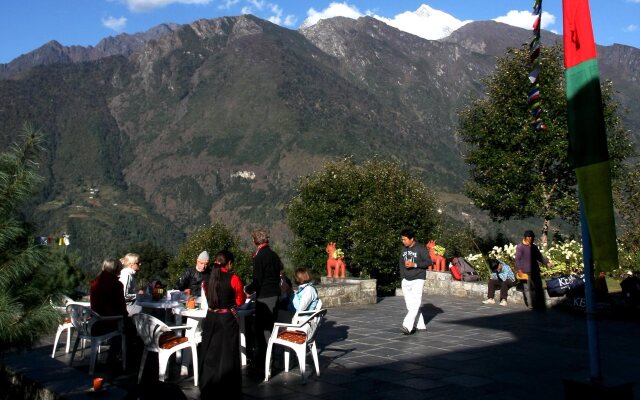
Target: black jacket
(266, 274)
(192, 279)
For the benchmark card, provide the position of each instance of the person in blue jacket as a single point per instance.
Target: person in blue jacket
(501, 275)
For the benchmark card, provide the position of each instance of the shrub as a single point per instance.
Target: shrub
(362, 208)
(212, 238)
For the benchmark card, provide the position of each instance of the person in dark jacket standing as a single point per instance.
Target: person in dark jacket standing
(528, 257)
(193, 277)
(266, 285)
(414, 261)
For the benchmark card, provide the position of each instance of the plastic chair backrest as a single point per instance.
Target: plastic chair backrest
(149, 329)
(316, 318)
(82, 318)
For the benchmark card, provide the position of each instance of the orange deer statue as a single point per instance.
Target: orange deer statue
(438, 260)
(335, 262)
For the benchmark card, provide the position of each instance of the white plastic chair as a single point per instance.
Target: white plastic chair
(298, 336)
(159, 337)
(65, 325)
(83, 319)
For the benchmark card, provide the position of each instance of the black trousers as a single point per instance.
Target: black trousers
(266, 315)
(504, 288)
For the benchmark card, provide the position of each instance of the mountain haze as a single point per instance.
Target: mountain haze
(217, 119)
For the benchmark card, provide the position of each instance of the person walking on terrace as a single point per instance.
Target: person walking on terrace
(413, 264)
(528, 257)
(501, 275)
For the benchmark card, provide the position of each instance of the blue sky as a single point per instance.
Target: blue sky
(27, 24)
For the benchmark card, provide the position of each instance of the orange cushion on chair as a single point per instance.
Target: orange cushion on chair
(168, 340)
(293, 336)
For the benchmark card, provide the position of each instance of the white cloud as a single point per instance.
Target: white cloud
(116, 24)
(426, 22)
(259, 4)
(227, 4)
(290, 20)
(246, 10)
(334, 10)
(631, 28)
(524, 19)
(148, 5)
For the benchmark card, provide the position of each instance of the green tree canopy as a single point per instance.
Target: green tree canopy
(516, 172)
(211, 238)
(362, 208)
(25, 312)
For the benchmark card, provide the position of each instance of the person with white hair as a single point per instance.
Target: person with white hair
(192, 278)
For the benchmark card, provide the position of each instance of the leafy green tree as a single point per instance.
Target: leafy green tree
(60, 274)
(627, 200)
(211, 238)
(25, 313)
(516, 172)
(362, 208)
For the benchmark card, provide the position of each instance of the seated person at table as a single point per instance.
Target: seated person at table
(306, 297)
(107, 299)
(220, 363)
(192, 278)
(501, 275)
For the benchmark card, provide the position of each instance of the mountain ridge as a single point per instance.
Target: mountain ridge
(216, 120)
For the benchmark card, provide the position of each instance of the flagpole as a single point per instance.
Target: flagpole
(592, 327)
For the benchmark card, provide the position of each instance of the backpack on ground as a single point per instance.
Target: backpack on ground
(463, 271)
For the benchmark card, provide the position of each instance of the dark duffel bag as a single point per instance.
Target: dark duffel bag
(563, 285)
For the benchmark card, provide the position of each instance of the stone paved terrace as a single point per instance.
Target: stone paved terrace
(469, 351)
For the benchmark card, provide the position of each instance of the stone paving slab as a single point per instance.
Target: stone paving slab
(469, 350)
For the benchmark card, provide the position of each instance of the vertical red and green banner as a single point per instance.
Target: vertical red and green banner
(588, 152)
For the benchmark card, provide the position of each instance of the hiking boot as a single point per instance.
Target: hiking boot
(503, 302)
(489, 301)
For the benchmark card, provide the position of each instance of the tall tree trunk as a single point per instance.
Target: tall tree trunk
(545, 232)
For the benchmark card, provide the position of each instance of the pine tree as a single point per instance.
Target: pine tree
(25, 312)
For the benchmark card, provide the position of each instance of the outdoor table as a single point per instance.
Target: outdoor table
(146, 302)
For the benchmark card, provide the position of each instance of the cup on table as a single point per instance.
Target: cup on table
(97, 384)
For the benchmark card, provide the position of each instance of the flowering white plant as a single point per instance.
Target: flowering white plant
(506, 253)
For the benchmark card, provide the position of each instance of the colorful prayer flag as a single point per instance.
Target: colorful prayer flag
(588, 152)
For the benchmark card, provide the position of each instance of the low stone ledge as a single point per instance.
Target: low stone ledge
(336, 292)
(442, 283)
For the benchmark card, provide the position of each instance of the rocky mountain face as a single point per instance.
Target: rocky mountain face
(216, 120)
(54, 53)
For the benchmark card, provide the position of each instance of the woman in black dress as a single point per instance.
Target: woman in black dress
(220, 347)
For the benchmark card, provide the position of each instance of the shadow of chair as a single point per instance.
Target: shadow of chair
(83, 320)
(298, 336)
(159, 338)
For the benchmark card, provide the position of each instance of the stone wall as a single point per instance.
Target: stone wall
(336, 292)
(442, 283)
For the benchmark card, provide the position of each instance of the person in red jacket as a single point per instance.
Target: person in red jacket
(107, 299)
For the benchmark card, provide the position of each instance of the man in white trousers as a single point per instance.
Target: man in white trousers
(414, 260)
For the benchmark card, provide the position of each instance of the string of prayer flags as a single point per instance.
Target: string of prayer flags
(533, 96)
